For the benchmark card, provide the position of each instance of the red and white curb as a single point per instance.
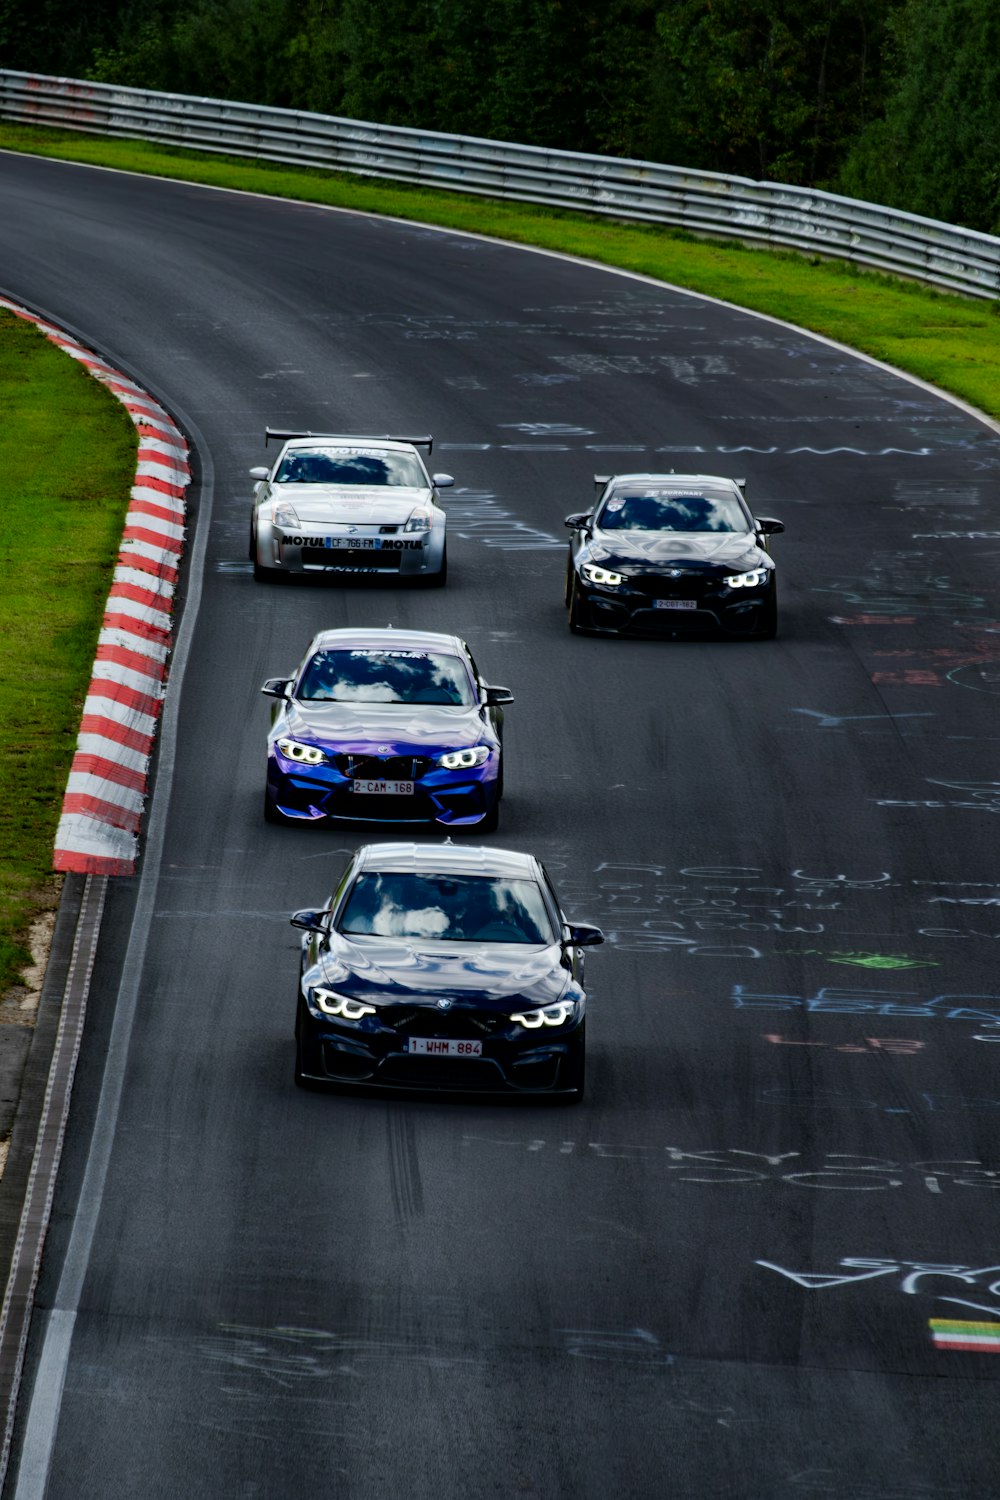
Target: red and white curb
(99, 828)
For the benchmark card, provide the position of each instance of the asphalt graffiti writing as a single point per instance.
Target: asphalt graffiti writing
(289, 1357)
(713, 911)
(628, 1346)
(975, 796)
(911, 1275)
(981, 1008)
(746, 912)
(938, 1280)
(840, 721)
(479, 516)
(860, 959)
(905, 584)
(870, 1047)
(814, 1099)
(831, 1171)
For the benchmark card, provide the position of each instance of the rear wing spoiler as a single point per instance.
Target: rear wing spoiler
(600, 480)
(279, 435)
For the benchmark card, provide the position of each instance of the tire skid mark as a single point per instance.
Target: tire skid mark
(404, 1167)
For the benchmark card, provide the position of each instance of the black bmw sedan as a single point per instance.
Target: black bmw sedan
(664, 553)
(440, 966)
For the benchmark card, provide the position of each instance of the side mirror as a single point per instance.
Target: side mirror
(259, 472)
(277, 687)
(496, 697)
(582, 935)
(768, 525)
(311, 921)
(443, 481)
(578, 520)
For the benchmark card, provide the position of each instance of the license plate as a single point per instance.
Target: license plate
(358, 543)
(675, 604)
(382, 788)
(429, 1046)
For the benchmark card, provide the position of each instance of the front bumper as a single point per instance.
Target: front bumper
(453, 798)
(655, 605)
(375, 1057)
(313, 550)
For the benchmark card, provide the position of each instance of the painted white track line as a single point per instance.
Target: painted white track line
(98, 831)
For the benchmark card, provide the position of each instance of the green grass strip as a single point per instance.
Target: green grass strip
(948, 340)
(67, 454)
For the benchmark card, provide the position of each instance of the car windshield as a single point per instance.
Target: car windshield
(376, 675)
(350, 466)
(666, 510)
(452, 908)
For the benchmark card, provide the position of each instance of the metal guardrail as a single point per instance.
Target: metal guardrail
(705, 203)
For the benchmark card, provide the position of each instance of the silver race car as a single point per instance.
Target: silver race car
(343, 505)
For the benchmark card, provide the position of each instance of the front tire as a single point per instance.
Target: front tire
(260, 574)
(577, 1066)
(299, 1076)
(440, 578)
(769, 619)
(577, 621)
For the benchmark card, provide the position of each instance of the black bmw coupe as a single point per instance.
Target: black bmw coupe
(439, 966)
(664, 553)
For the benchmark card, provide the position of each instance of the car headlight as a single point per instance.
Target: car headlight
(548, 1015)
(463, 760)
(419, 521)
(594, 574)
(750, 580)
(284, 515)
(306, 755)
(332, 1004)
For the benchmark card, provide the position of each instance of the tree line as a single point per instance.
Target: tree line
(893, 101)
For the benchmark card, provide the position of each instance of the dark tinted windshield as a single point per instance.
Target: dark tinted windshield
(660, 510)
(381, 676)
(460, 908)
(350, 466)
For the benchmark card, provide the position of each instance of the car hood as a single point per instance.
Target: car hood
(488, 975)
(359, 504)
(366, 728)
(655, 549)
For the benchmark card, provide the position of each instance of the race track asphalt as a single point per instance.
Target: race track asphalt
(743, 1265)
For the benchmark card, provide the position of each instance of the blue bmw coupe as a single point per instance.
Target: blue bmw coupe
(383, 725)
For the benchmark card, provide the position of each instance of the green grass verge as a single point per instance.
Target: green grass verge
(80, 443)
(67, 454)
(950, 341)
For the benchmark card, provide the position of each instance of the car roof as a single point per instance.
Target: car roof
(389, 638)
(454, 859)
(683, 479)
